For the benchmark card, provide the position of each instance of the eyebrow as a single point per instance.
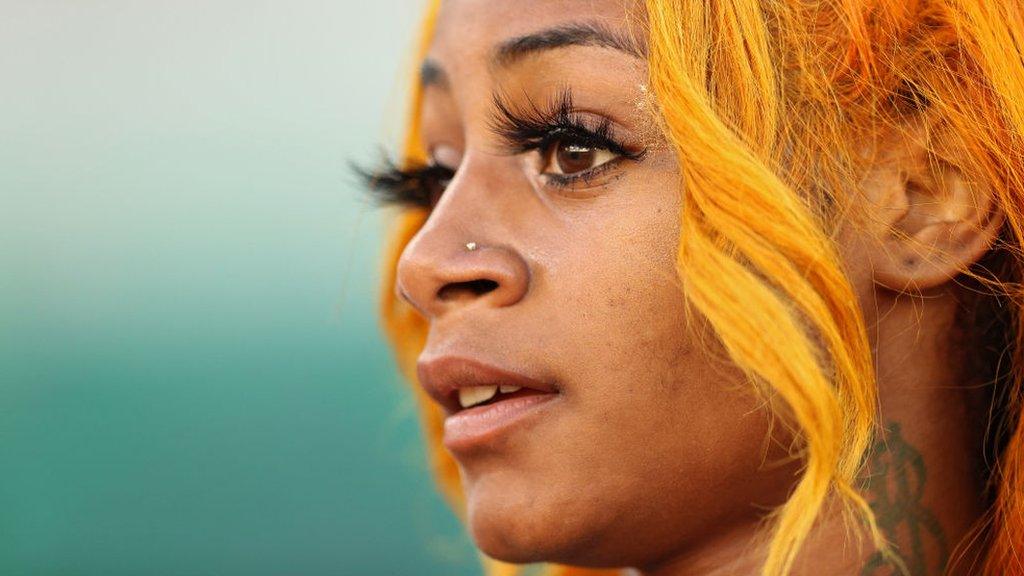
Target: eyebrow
(573, 34)
(515, 49)
(432, 74)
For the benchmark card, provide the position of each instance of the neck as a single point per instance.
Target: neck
(924, 477)
(921, 480)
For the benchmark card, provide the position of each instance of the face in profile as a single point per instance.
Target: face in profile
(600, 425)
(596, 376)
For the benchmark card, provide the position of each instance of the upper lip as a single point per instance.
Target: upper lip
(442, 377)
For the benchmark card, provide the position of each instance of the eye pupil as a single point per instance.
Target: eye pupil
(573, 158)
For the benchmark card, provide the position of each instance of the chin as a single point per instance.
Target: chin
(527, 526)
(508, 527)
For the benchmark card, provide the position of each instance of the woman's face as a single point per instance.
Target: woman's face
(638, 442)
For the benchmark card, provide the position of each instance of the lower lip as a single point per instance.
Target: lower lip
(474, 427)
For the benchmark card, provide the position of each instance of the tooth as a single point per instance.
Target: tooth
(509, 388)
(476, 395)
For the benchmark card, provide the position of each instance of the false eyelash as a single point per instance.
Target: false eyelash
(413, 187)
(538, 128)
(521, 131)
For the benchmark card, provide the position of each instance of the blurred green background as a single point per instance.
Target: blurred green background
(192, 378)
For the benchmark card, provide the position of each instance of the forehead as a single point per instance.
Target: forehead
(471, 29)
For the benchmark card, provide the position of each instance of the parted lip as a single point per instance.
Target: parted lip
(442, 377)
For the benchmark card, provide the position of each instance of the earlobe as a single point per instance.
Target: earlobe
(939, 224)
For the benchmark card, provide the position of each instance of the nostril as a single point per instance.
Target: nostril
(455, 291)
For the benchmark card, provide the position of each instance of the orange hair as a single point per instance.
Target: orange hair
(762, 101)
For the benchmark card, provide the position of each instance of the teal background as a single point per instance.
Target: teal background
(192, 378)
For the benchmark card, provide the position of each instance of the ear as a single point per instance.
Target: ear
(929, 222)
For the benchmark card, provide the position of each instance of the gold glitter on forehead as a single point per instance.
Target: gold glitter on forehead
(641, 102)
(650, 126)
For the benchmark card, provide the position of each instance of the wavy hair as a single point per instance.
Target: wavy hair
(763, 101)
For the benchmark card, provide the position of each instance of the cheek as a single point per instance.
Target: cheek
(657, 441)
(657, 424)
(659, 437)
(658, 404)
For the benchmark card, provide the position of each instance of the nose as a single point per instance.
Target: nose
(438, 274)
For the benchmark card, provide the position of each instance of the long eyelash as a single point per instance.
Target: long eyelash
(534, 128)
(537, 128)
(413, 187)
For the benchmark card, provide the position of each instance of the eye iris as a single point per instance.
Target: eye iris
(435, 190)
(434, 182)
(573, 158)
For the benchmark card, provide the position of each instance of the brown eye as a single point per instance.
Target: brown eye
(436, 188)
(568, 159)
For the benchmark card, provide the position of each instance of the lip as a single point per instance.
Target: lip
(466, 428)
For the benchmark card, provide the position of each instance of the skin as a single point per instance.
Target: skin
(656, 455)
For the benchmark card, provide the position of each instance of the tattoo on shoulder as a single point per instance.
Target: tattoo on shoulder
(895, 491)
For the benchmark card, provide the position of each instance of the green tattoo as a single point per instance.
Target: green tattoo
(895, 490)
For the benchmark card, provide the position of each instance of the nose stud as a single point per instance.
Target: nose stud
(470, 246)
